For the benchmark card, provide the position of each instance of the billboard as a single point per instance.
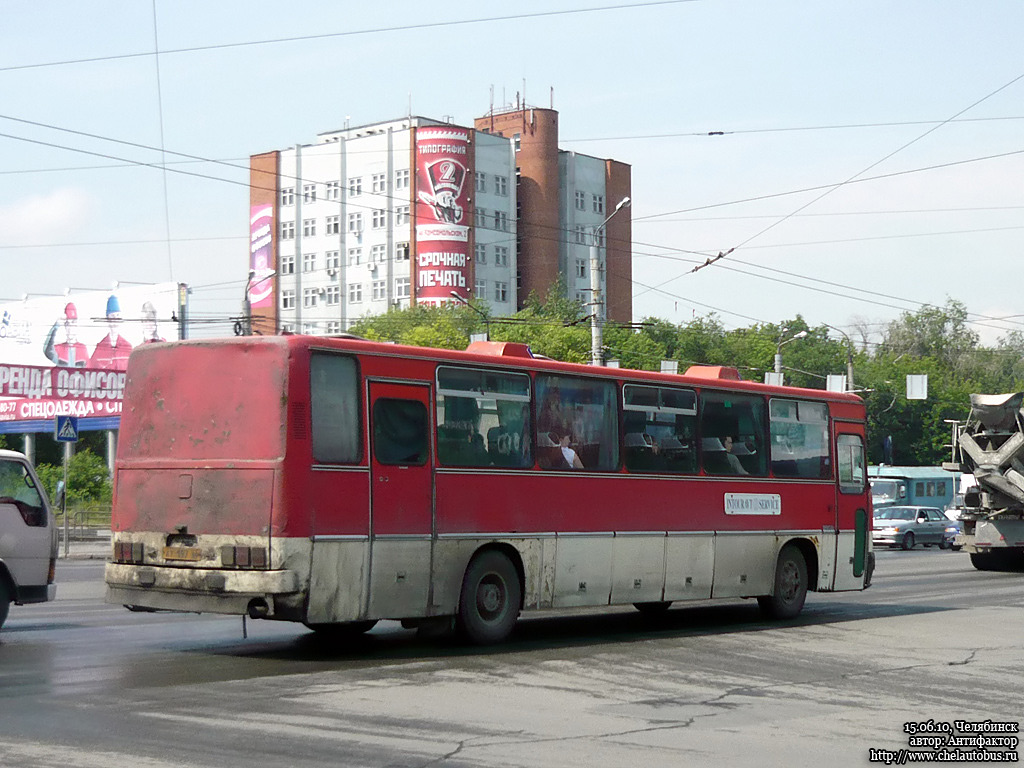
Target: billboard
(260, 288)
(66, 355)
(442, 214)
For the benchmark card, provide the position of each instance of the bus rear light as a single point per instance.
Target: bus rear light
(243, 557)
(128, 552)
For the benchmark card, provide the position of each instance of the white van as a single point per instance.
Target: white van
(28, 536)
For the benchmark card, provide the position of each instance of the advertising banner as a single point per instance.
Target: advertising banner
(66, 355)
(442, 214)
(261, 256)
(31, 393)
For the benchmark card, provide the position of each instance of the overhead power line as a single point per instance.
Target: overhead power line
(348, 33)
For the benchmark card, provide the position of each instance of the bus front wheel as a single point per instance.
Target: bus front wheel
(790, 585)
(490, 599)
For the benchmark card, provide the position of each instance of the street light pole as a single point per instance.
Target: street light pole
(781, 344)
(596, 299)
(849, 356)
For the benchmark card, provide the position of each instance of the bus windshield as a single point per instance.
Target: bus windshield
(885, 490)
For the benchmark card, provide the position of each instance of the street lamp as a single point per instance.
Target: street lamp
(780, 345)
(487, 320)
(244, 328)
(849, 356)
(596, 300)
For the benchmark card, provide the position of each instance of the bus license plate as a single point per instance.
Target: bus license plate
(190, 554)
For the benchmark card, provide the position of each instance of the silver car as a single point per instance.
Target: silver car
(906, 527)
(28, 536)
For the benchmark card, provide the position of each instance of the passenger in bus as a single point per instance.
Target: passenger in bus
(731, 448)
(572, 459)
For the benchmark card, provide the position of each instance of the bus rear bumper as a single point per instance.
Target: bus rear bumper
(199, 590)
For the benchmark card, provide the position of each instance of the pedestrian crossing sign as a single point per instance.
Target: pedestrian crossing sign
(65, 429)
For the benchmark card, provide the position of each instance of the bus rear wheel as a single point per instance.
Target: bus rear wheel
(344, 629)
(490, 599)
(790, 585)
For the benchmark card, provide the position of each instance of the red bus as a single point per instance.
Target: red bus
(337, 482)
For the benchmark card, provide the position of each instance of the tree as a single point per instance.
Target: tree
(88, 478)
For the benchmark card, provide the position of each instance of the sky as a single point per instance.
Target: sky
(854, 160)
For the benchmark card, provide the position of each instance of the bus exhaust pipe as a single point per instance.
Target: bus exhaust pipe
(258, 608)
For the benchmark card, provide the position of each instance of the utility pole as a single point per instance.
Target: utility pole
(596, 298)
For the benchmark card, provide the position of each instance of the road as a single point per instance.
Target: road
(86, 684)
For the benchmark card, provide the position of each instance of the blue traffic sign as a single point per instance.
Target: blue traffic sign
(65, 429)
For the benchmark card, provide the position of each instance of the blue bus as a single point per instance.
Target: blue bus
(912, 486)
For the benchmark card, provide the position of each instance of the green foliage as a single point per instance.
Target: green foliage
(936, 341)
(88, 479)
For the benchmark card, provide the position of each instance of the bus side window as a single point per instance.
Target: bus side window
(740, 417)
(799, 439)
(483, 418)
(334, 393)
(577, 417)
(659, 429)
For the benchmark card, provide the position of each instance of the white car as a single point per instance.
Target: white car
(28, 536)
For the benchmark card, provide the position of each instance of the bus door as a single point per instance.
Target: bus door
(852, 508)
(401, 499)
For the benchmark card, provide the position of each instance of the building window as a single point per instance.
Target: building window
(481, 181)
(287, 230)
(401, 287)
(402, 179)
(355, 293)
(287, 299)
(500, 256)
(501, 221)
(581, 297)
(580, 234)
(333, 225)
(288, 196)
(355, 222)
(308, 262)
(581, 201)
(333, 190)
(309, 193)
(288, 265)
(378, 254)
(309, 297)
(332, 260)
(333, 327)
(309, 329)
(287, 328)
(480, 252)
(501, 185)
(308, 227)
(355, 256)
(517, 142)
(401, 215)
(379, 181)
(401, 251)
(333, 295)
(355, 186)
(480, 289)
(581, 267)
(598, 203)
(379, 218)
(379, 292)
(480, 217)
(501, 292)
